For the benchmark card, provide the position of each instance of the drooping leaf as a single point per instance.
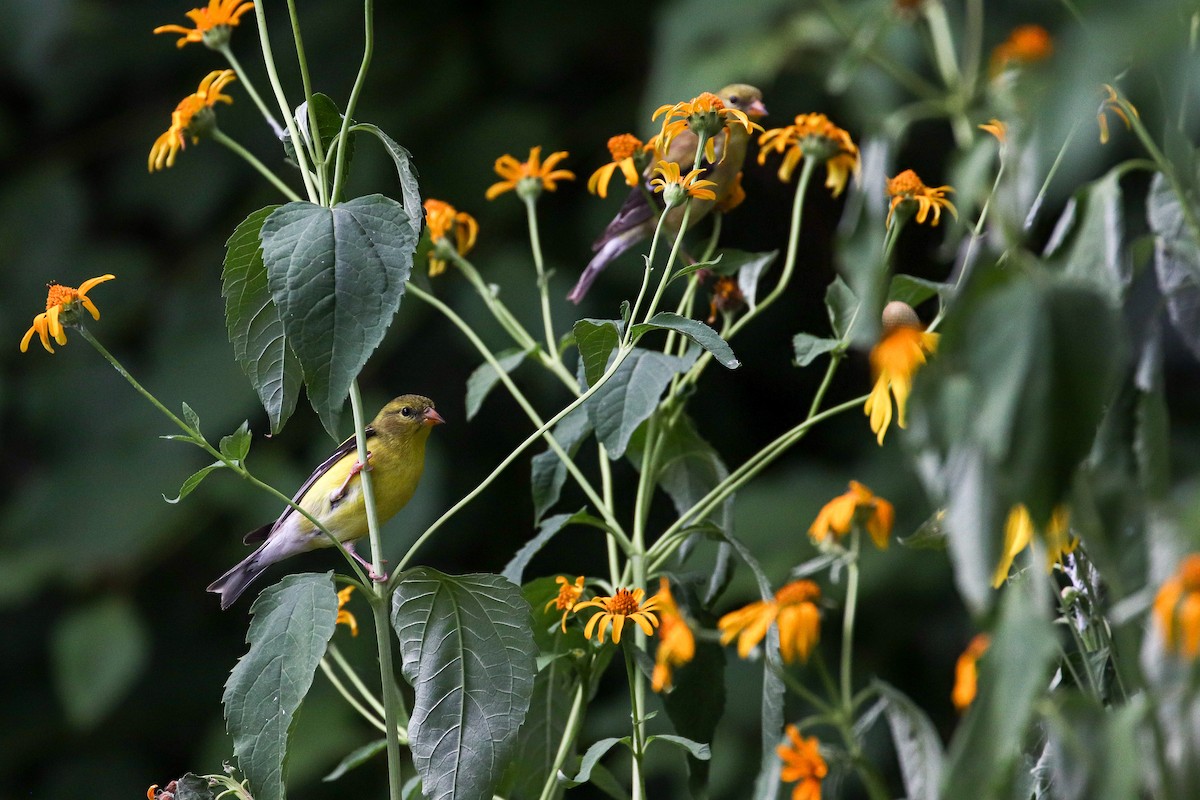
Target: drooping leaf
(292, 625)
(693, 329)
(193, 787)
(631, 395)
(1176, 261)
(808, 348)
(356, 758)
(549, 527)
(596, 340)
(549, 473)
(236, 446)
(913, 290)
(337, 276)
(410, 191)
(843, 306)
(695, 749)
(98, 652)
(259, 343)
(193, 481)
(918, 747)
(468, 651)
(485, 378)
(590, 759)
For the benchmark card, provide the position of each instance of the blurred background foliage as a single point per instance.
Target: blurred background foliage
(114, 657)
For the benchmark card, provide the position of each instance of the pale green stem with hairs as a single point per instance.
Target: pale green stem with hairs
(244, 79)
(848, 620)
(339, 172)
(318, 148)
(564, 746)
(543, 283)
(218, 136)
(272, 73)
(350, 699)
(340, 660)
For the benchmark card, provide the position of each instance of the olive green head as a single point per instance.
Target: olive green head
(407, 415)
(745, 98)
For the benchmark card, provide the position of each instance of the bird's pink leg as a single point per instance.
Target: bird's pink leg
(337, 494)
(371, 573)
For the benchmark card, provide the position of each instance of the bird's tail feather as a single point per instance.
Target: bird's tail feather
(231, 585)
(610, 250)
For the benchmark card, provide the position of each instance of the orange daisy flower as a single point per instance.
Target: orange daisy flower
(625, 150)
(676, 187)
(62, 306)
(193, 117)
(213, 24)
(624, 605)
(445, 221)
(814, 136)
(568, 595)
(894, 361)
(907, 187)
(676, 643)
(795, 610)
(531, 176)
(859, 504)
(705, 114)
(802, 764)
(1177, 609)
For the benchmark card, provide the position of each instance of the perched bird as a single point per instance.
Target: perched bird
(636, 219)
(333, 493)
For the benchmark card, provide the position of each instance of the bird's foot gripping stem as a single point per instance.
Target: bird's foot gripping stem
(339, 493)
(371, 573)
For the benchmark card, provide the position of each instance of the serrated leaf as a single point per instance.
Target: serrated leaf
(808, 348)
(548, 472)
(589, 761)
(193, 481)
(410, 191)
(356, 758)
(485, 378)
(631, 395)
(236, 446)
(1176, 261)
(913, 290)
(918, 747)
(596, 340)
(693, 329)
(259, 344)
(292, 624)
(97, 653)
(468, 651)
(337, 276)
(549, 528)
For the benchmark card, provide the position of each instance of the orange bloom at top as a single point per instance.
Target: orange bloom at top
(908, 187)
(1025, 45)
(704, 114)
(676, 642)
(529, 177)
(615, 610)
(193, 118)
(445, 220)
(802, 764)
(213, 24)
(813, 136)
(62, 306)
(344, 617)
(676, 188)
(1177, 609)
(857, 505)
(625, 150)
(894, 361)
(795, 610)
(966, 672)
(568, 595)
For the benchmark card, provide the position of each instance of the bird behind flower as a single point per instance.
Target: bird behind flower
(333, 493)
(636, 219)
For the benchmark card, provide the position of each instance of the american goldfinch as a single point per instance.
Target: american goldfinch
(636, 219)
(333, 493)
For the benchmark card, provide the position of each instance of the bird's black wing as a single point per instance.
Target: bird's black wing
(343, 449)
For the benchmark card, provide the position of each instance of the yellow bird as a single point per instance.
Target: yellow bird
(333, 493)
(636, 219)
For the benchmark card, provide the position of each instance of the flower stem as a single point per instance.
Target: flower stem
(340, 660)
(318, 148)
(638, 738)
(219, 136)
(350, 699)
(391, 697)
(564, 746)
(365, 481)
(272, 73)
(339, 171)
(535, 244)
(848, 621)
(244, 79)
(627, 335)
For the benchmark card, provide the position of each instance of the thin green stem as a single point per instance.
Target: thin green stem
(638, 738)
(947, 63)
(848, 621)
(391, 696)
(1167, 168)
(835, 359)
(572, 468)
(348, 697)
(897, 72)
(318, 148)
(244, 79)
(972, 45)
(264, 42)
(365, 481)
(811, 697)
(218, 136)
(1036, 205)
(352, 676)
(339, 171)
(621, 354)
(543, 283)
(637, 303)
(564, 746)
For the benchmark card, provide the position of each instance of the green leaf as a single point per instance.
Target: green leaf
(543, 730)
(410, 191)
(688, 468)
(255, 330)
(1176, 261)
(549, 473)
(750, 272)
(918, 747)
(1013, 673)
(292, 625)
(695, 749)
(1094, 751)
(630, 396)
(236, 446)
(356, 758)
(914, 291)
(843, 307)
(191, 418)
(98, 653)
(468, 651)
(329, 125)
(193, 787)
(1088, 242)
(337, 276)
(590, 759)
(596, 340)
(689, 269)
(485, 378)
(549, 528)
(193, 481)
(809, 348)
(693, 329)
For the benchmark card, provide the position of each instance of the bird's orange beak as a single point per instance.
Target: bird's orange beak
(432, 418)
(756, 110)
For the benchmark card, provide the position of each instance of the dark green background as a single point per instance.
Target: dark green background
(99, 576)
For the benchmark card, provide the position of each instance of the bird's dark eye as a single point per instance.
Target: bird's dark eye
(734, 99)
(406, 412)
